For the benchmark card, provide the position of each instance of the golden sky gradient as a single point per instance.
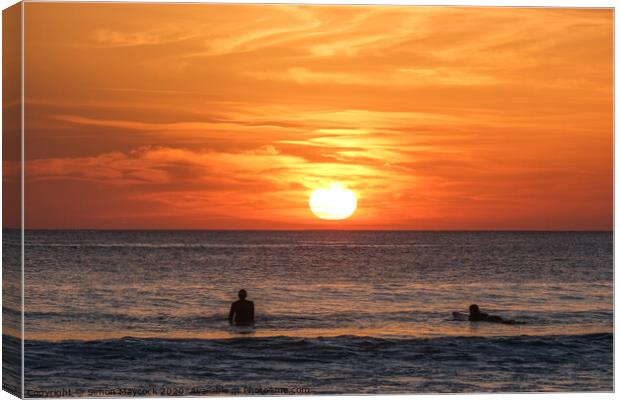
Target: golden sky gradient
(228, 116)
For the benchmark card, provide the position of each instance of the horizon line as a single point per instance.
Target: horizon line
(308, 230)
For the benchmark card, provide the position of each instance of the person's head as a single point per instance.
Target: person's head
(474, 309)
(243, 294)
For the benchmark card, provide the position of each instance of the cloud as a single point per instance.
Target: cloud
(403, 78)
(159, 165)
(116, 38)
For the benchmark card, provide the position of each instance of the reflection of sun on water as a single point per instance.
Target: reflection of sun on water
(333, 203)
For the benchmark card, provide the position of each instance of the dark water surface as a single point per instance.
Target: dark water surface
(337, 312)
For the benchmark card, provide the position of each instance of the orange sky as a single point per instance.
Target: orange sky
(223, 116)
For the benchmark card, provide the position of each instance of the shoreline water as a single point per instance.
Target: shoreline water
(333, 365)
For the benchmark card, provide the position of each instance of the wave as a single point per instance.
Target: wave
(522, 349)
(576, 342)
(342, 364)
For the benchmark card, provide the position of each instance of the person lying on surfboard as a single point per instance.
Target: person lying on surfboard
(475, 315)
(242, 311)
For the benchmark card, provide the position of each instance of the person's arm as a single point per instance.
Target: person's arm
(252, 312)
(231, 313)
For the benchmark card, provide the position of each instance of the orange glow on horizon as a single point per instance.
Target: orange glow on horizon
(227, 116)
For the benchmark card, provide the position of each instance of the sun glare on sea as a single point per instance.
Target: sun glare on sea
(334, 202)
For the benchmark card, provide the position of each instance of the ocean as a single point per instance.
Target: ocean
(112, 313)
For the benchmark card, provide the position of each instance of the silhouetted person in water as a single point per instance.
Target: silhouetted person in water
(242, 311)
(476, 315)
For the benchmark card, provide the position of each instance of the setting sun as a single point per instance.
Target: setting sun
(333, 203)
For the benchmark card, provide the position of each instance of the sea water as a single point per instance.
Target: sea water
(107, 312)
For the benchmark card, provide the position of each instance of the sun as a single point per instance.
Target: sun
(333, 203)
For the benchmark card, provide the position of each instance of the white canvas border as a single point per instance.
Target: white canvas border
(484, 3)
